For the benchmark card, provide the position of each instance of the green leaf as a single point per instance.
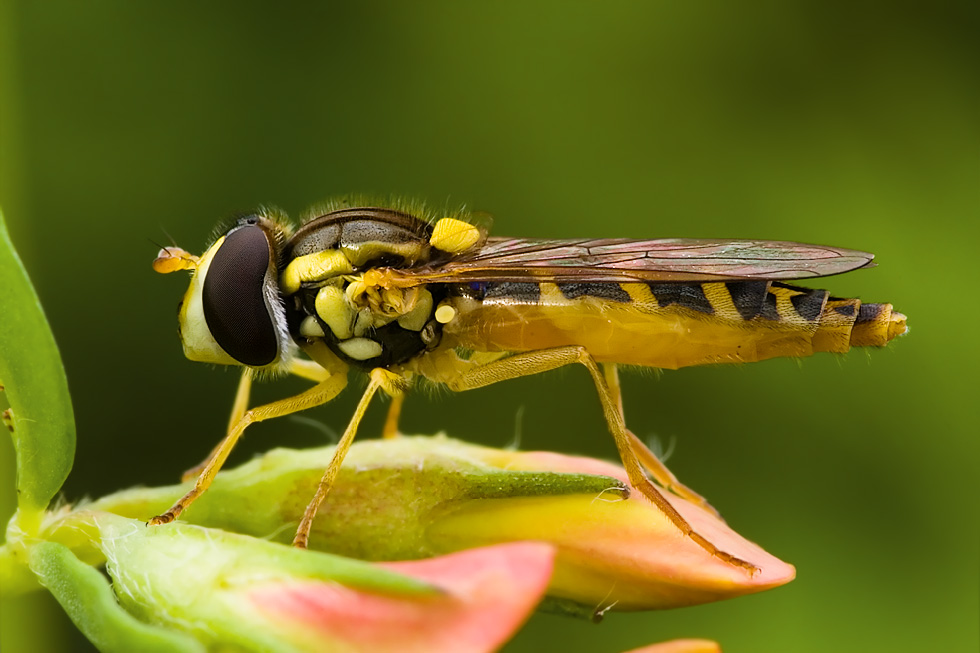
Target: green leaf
(41, 418)
(85, 595)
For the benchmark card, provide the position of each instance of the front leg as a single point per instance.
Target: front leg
(238, 409)
(304, 369)
(319, 394)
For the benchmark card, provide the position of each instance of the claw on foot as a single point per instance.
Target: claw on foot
(165, 518)
(721, 555)
(738, 562)
(650, 492)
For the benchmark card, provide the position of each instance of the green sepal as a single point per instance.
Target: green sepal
(15, 574)
(133, 546)
(507, 484)
(42, 422)
(202, 581)
(87, 598)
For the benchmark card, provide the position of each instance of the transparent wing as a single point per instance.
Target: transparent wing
(624, 260)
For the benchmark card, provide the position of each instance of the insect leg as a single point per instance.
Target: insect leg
(311, 370)
(647, 458)
(302, 368)
(319, 394)
(237, 410)
(526, 364)
(382, 379)
(610, 371)
(394, 412)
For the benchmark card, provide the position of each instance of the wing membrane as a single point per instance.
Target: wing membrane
(624, 260)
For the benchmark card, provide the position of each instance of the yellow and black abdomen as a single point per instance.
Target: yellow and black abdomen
(668, 325)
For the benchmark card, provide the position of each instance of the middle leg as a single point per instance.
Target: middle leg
(319, 394)
(381, 379)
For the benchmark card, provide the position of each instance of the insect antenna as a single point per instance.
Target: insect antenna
(159, 246)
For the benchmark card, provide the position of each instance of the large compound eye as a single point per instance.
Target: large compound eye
(234, 300)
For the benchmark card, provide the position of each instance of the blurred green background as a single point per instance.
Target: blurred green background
(838, 123)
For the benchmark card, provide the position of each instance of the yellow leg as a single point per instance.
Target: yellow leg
(394, 412)
(381, 379)
(312, 371)
(647, 458)
(237, 410)
(610, 372)
(302, 368)
(319, 394)
(526, 364)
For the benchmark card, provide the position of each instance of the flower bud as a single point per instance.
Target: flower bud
(233, 591)
(415, 497)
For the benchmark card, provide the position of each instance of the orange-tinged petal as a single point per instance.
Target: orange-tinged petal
(680, 646)
(623, 553)
(489, 594)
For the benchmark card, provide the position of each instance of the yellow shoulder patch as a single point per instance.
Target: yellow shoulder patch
(314, 267)
(454, 236)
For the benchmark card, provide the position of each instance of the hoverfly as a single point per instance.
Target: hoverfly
(400, 293)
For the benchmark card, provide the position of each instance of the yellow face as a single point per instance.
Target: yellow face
(232, 313)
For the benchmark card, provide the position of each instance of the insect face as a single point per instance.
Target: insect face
(232, 313)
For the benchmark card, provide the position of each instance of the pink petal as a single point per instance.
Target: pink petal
(557, 462)
(489, 593)
(626, 551)
(680, 646)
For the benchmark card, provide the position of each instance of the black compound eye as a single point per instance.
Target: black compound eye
(233, 298)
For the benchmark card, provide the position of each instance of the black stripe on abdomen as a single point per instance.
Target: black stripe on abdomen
(749, 297)
(685, 295)
(868, 313)
(810, 305)
(610, 291)
(518, 291)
